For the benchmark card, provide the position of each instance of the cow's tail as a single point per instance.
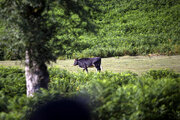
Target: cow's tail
(101, 67)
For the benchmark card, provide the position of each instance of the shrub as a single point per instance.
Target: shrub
(154, 95)
(12, 81)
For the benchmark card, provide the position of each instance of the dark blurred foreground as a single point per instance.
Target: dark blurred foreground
(63, 109)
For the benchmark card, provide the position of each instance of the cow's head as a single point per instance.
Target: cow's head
(75, 62)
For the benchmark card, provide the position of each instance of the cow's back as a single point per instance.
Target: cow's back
(97, 59)
(85, 61)
(90, 61)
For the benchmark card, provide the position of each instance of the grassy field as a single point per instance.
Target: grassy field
(137, 64)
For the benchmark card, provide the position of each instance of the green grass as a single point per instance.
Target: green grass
(137, 64)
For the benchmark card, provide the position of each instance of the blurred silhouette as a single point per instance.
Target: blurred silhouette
(63, 109)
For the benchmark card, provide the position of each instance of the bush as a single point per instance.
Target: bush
(123, 27)
(154, 95)
(12, 81)
(159, 74)
(140, 98)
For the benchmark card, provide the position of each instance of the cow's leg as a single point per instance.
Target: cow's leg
(85, 69)
(98, 67)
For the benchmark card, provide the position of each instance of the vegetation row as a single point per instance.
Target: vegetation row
(121, 27)
(154, 95)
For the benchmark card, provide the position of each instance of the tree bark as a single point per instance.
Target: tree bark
(36, 74)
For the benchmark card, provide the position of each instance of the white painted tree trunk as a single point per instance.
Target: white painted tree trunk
(37, 75)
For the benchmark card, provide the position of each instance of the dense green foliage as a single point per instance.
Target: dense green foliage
(135, 27)
(112, 96)
(35, 26)
(123, 27)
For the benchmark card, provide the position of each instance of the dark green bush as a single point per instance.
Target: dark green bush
(112, 96)
(142, 98)
(123, 27)
(159, 74)
(12, 81)
(159, 100)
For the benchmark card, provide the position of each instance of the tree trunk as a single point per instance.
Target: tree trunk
(36, 73)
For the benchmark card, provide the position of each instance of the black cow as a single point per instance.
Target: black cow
(89, 62)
